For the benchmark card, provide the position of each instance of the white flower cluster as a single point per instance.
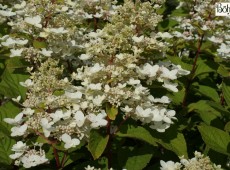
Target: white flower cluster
(200, 20)
(198, 162)
(120, 62)
(26, 156)
(51, 28)
(54, 109)
(119, 66)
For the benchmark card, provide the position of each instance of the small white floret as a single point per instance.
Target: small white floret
(97, 120)
(85, 56)
(74, 95)
(35, 21)
(7, 13)
(27, 83)
(46, 52)
(19, 147)
(69, 143)
(18, 130)
(171, 86)
(16, 52)
(138, 39)
(20, 6)
(80, 118)
(16, 121)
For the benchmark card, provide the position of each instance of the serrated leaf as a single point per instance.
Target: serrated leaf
(218, 107)
(111, 111)
(97, 143)
(134, 158)
(137, 132)
(205, 66)
(216, 139)
(206, 112)
(171, 139)
(10, 87)
(5, 149)
(207, 91)
(226, 90)
(39, 44)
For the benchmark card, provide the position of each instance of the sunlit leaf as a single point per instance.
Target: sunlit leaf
(97, 143)
(216, 139)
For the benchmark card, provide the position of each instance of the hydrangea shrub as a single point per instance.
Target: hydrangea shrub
(102, 84)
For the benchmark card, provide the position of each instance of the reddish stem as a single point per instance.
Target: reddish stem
(193, 70)
(64, 159)
(56, 157)
(52, 144)
(95, 24)
(222, 99)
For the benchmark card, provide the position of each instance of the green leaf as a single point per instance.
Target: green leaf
(180, 12)
(4, 29)
(138, 133)
(5, 149)
(205, 45)
(8, 110)
(134, 158)
(204, 66)
(16, 62)
(97, 143)
(166, 24)
(161, 10)
(218, 107)
(207, 91)
(226, 90)
(39, 44)
(10, 87)
(222, 70)
(111, 111)
(58, 92)
(72, 157)
(216, 139)
(178, 97)
(206, 112)
(58, 146)
(171, 139)
(227, 127)
(184, 64)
